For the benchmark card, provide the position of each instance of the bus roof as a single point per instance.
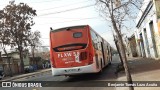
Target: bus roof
(70, 27)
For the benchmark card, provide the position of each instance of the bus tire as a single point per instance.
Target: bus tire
(110, 61)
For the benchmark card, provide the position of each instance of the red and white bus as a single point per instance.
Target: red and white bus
(77, 50)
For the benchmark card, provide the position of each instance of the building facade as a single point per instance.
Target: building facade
(147, 31)
(131, 50)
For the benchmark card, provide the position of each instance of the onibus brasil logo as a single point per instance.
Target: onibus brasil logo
(21, 84)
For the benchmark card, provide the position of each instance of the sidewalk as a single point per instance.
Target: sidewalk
(142, 69)
(24, 75)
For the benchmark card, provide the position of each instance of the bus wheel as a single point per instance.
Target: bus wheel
(110, 62)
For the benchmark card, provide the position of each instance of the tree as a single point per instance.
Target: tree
(34, 41)
(5, 38)
(118, 12)
(18, 20)
(116, 43)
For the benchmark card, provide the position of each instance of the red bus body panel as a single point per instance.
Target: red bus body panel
(63, 39)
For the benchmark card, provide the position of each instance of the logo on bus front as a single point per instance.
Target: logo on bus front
(66, 55)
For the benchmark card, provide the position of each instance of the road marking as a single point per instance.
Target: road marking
(34, 89)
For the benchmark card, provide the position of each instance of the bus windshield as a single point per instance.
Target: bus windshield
(69, 39)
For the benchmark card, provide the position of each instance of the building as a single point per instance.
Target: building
(131, 50)
(14, 61)
(6, 62)
(147, 31)
(10, 64)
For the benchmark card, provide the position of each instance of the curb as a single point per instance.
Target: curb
(25, 75)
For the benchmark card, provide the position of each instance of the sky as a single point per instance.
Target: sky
(62, 13)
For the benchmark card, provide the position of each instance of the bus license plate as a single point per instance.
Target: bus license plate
(72, 70)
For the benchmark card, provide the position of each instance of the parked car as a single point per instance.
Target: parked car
(29, 69)
(2, 74)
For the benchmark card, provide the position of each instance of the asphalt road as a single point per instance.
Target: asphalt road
(108, 74)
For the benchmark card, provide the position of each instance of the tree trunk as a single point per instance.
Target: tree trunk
(125, 64)
(33, 53)
(116, 43)
(10, 73)
(21, 59)
(124, 58)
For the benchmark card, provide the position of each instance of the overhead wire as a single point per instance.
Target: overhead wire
(68, 17)
(71, 20)
(63, 10)
(66, 10)
(63, 6)
(45, 1)
(34, 2)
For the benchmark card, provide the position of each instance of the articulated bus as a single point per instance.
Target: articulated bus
(77, 50)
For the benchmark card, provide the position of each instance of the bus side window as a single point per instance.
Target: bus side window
(94, 39)
(108, 49)
(99, 43)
